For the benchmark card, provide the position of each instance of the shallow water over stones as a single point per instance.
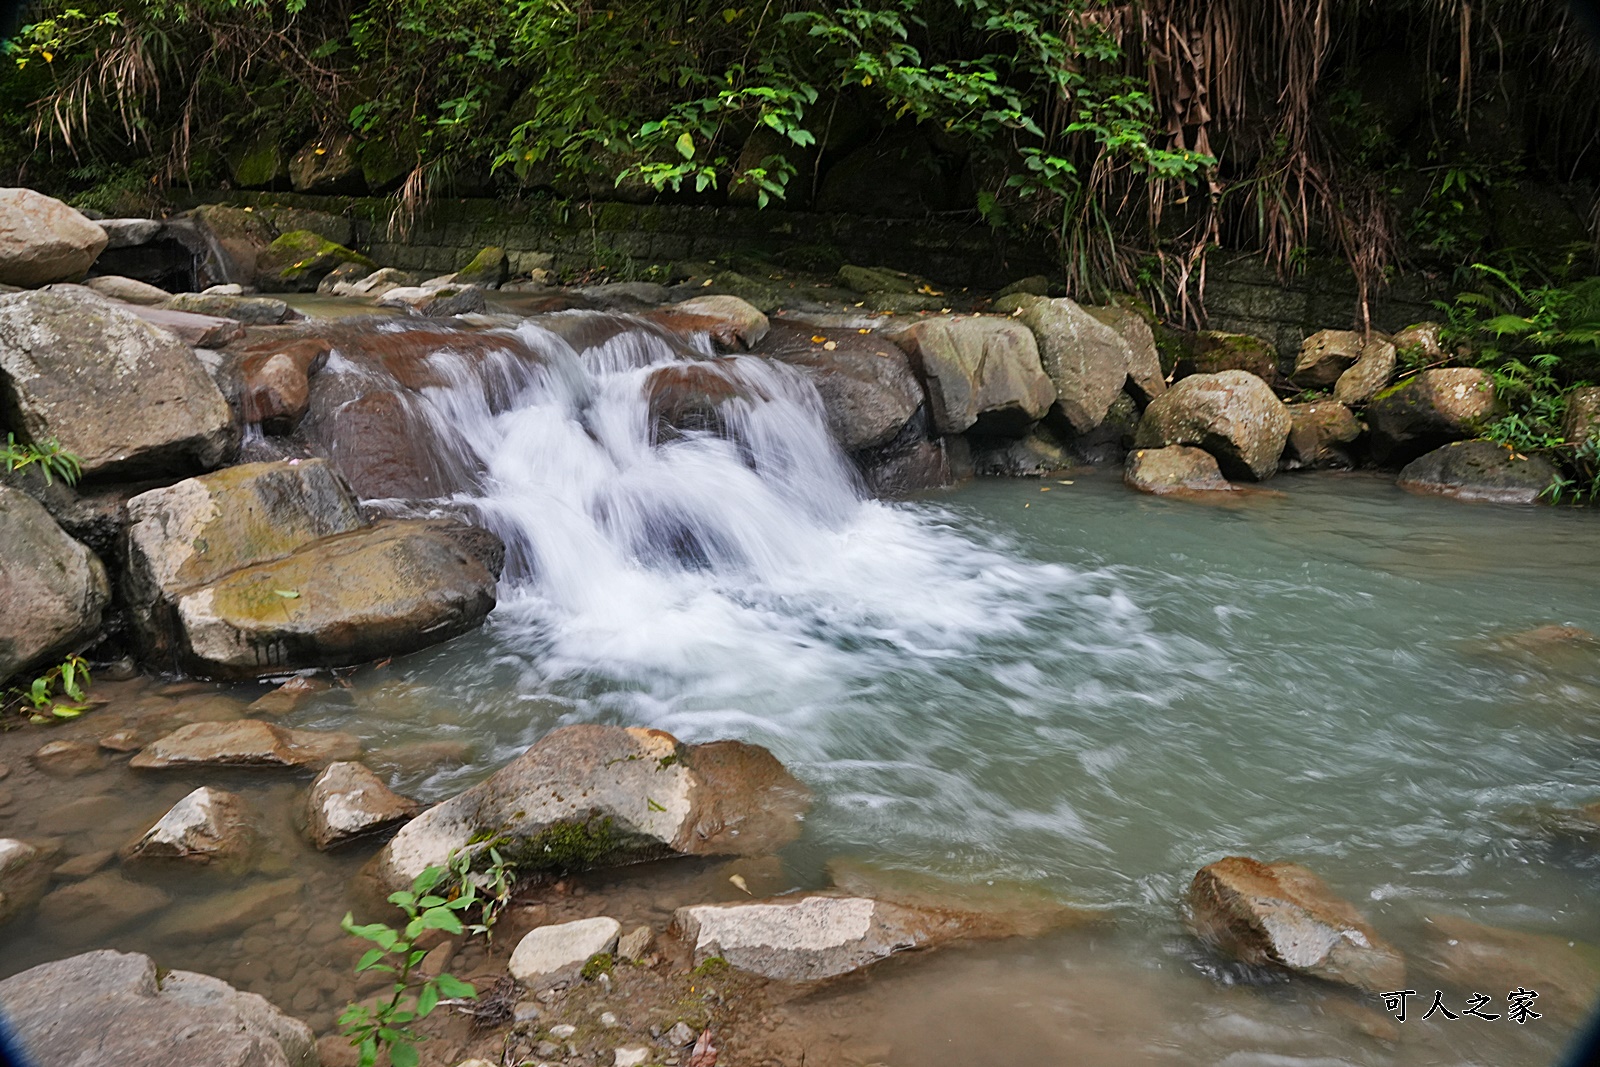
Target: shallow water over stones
(1082, 689)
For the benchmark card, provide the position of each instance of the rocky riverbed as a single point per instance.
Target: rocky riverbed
(281, 516)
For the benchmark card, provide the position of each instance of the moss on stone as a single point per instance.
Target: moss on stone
(568, 846)
(598, 964)
(300, 258)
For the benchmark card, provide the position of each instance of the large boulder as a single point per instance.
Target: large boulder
(1430, 409)
(1368, 375)
(1234, 415)
(1582, 423)
(109, 1007)
(1282, 915)
(52, 588)
(867, 387)
(1145, 376)
(1480, 471)
(1324, 356)
(1086, 360)
(266, 568)
(328, 165)
(588, 796)
(1318, 434)
(188, 535)
(123, 396)
(226, 241)
(1174, 469)
(385, 590)
(43, 240)
(982, 374)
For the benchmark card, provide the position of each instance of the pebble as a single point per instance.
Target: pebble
(547, 1050)
(67, 759)
(609, 1020)
(80, 867)
(631, 1057)
(680, 1034)
(562, 1031)
(526, 1011)
(635, 943)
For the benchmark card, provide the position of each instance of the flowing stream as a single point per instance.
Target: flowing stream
(1060, 683)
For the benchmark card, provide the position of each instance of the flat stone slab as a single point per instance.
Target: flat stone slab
(245, 743)
(554, 954)
(198, 331)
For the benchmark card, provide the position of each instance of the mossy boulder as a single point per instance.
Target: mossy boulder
(1430, 409)
(328, 165)
(488, 269)
(878, 280)
(260, 163)
(588, 796)
(1213, 351)
(298, 260)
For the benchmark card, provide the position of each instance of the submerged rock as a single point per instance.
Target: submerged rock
(54, 590)
(111, 1007)
(1174, 469)
(125, 397)
(348, 802)
(591, 796)
(207, 826)
(99, 906)
(982, 374)
(24, 876)
(1282, 915)
(42, 240)
(275, 383)
(245, 743)
(1476, 958)
(554, 954)
(224, 914)
(1233, 415)
(1479, 471)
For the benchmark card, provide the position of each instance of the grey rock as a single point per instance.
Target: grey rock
(1368, 375)
(348, 801)
(125, 397)
(53, 590)
(587, 796)
(1145, 376)
(680, 1034)
(982, 374)
(67, 759)
(867, 387)
(43, 240)
(111, 1007)
(1086, 360)
(736, 316)
(207, 826)
(127, 290)
(1318, 434)
(245, 743)
(252, 310)
(1282, 915)
(1325, 355)
(1432, 408)
(634, 944)
(198, 331)
(129, 233)
(1479, 471)
(1233, 414)
(553, 954)
(1582, 423)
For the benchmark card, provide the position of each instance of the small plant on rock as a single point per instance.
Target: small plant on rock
(52, 460)
(388, 1024)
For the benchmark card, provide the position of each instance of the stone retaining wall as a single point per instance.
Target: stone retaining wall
(1242, 294)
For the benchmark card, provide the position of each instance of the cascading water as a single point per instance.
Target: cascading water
(676, 521)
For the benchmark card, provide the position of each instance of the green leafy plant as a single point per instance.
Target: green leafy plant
(56, 694)
(489, 888)
(52, 460)
(388, 1025)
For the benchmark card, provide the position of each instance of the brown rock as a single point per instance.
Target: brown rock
(1317, 432)
(1213, 351)
(1583, 416)
(1474, 958)
(348, 801)
(1420, 343)
(67, 759)
(1233, 415)
(288, 696)
(225, 914)
(1326, 355)
(1432, 408)
(730, 319)
(275, 384)
(1282, 915)
(245, 743)
(99, 906)
(1175, 469)
(80, 867)
(1369, 374)
(42, 240)
(24, 875)
(195, 330)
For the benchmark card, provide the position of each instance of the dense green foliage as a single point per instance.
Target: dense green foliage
(1132, 136)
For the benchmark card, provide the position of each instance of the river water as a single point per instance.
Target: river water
(1059, 683)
